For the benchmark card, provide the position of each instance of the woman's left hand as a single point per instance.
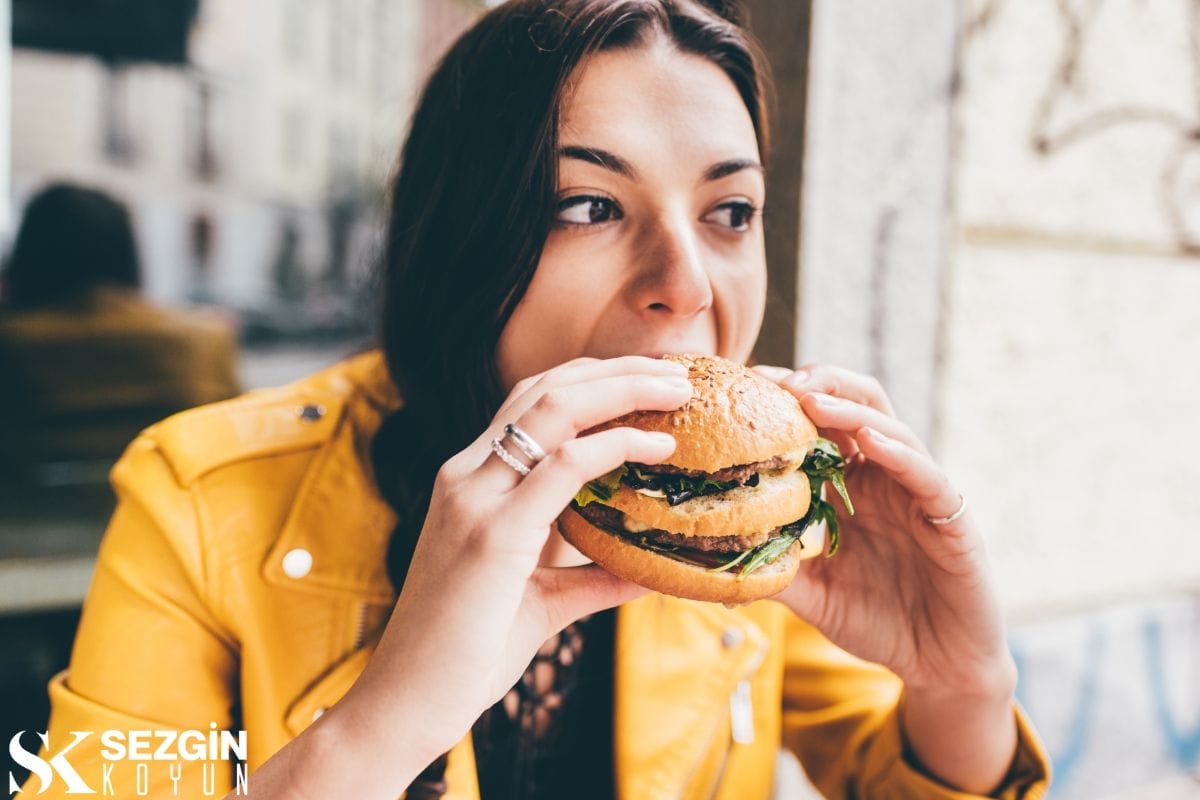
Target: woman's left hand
(901, 591)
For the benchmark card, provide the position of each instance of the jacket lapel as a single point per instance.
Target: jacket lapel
(341, 521)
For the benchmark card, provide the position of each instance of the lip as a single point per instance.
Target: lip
(671, 351)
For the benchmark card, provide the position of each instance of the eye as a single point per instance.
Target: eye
(738, 214)
(586, 209)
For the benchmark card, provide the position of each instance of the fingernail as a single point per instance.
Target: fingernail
(675, 366)
(799, 377)
(661, 438)
(826, 400)
(877, 436)
(678, 383)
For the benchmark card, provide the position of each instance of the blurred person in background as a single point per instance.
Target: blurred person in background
(87, 360)
(343, 568)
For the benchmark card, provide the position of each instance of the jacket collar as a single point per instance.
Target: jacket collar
(339, 517)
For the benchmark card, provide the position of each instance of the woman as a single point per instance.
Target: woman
(581, 188)
(88, 361)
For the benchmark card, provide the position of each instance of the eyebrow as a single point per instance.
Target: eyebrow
(612, 161)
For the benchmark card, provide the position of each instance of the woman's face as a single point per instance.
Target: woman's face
(658, 243)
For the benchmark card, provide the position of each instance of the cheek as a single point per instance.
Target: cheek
(553, 321)
(740, 299)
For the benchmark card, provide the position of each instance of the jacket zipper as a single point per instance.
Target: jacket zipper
(741, 729)
(708, 746)
(741, 722)
(741, 713)
(360, 625)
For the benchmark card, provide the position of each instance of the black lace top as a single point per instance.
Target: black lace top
(551, 735)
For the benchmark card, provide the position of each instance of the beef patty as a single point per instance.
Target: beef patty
(739, 472)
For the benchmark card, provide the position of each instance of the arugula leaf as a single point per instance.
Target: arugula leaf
(825, 463)
(733, 562)
(824, 511)
(678, 488)
(601, 489)
(766, 552)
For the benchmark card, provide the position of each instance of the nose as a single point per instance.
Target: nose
(673, 281)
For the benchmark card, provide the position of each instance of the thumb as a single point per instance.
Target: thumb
(774, 373)
(568, 593)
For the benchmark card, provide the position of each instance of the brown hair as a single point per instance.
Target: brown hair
(72, 239)
(471, 208)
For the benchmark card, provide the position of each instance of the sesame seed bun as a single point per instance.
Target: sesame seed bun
(735, 416)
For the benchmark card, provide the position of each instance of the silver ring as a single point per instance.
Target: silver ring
(947, 520)
(508, 458)
(525, 443)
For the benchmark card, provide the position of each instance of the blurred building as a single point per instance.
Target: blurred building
(257, 171)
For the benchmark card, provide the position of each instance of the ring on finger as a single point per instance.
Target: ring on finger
(525, 443)
(508, 458)
(962, 507)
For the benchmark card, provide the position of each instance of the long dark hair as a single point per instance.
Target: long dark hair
(472, 206)
(71, 239)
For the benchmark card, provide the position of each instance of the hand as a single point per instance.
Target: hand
(476, 606)
(901, 592)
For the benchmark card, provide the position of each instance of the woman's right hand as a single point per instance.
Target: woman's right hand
(476, 605)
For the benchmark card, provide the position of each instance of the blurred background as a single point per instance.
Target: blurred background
(993, 206)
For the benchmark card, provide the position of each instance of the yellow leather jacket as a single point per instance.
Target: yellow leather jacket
(242, 582)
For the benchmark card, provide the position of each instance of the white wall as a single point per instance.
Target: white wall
(876, 178)
(1054, 365)
(1072, 378)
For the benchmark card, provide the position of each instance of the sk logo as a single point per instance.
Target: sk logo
(45, 769)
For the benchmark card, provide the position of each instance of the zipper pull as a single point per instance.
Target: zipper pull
(741, 714)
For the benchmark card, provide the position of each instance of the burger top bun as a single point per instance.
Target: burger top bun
(735, 416)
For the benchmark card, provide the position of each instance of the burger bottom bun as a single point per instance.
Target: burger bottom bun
(669, 576)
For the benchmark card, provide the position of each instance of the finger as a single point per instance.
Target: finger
(841, 382)
(582, 369)
(568, 593)
(774, 373)
(928, 484)
(545, 492)
(829, 411)
(527, 390)
(561, 413)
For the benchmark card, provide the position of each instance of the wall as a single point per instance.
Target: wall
(1001, 221)
(1071, 376)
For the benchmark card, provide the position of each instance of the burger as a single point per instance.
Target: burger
(725, 519)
